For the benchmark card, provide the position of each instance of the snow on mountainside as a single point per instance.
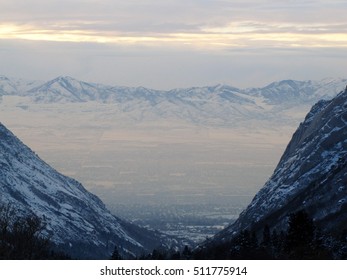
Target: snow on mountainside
(77, 221)
(12, 86)
(295, 92)
(7, 87)
(212, 105)
(66, 89)
(311, 175)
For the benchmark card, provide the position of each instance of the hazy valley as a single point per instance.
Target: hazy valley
(186, 163)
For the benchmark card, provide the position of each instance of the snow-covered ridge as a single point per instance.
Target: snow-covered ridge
(311, 175)
(216, 105)
(77, 221)
(68, 89)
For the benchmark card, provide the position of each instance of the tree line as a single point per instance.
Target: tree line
(302, 240)
(21, 237)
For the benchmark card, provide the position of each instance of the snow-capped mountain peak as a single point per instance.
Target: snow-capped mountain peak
(7, 87)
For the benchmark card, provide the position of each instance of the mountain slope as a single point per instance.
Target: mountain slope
(76, 220)
(7, 87)
(65, 89)
(311, 175)
(290, 92)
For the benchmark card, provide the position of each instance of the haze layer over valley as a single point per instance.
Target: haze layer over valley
(144, 152)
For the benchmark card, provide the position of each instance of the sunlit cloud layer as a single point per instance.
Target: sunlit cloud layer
(174, 43)
(239, 34)
(203, 23)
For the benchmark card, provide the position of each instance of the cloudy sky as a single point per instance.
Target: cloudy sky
(174, 43)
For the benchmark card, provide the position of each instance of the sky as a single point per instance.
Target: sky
(165, 44)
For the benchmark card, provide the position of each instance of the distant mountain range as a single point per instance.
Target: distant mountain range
(220, 105)
(77, 222)
(311, 174)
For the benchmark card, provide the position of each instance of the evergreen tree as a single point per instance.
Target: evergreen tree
(157, 255)
(21, 238)
(266, 242)
(266, 247)
(186, 253)
(300, 236)
(116, 255)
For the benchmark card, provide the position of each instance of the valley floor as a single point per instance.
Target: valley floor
(194, 222)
